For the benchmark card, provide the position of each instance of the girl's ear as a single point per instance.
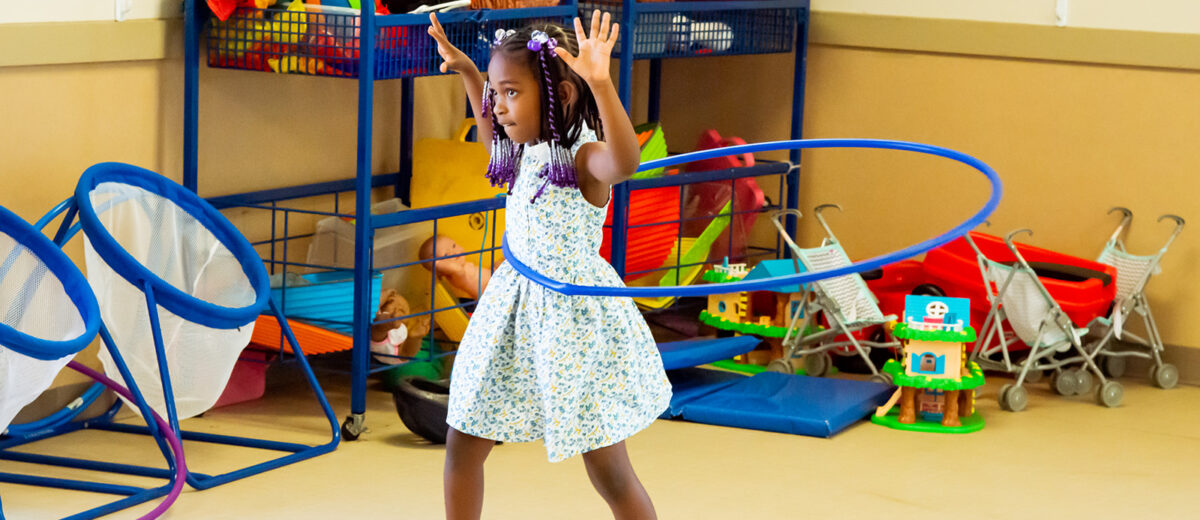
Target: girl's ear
(568, 93)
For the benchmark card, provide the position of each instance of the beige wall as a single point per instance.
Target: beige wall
(1070, 140)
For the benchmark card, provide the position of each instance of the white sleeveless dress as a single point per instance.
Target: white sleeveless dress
(578, 372)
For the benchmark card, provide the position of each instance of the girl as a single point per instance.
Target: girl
(580, 373)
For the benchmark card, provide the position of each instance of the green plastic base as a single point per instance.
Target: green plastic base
(970, 424)
(426, 369)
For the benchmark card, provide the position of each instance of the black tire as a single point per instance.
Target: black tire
(421, 404)
(927, 289)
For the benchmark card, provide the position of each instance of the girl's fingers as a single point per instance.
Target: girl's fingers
(605, 25)
(564, 55)
(579, 37)
(436, 30)
(595, 24)
(612, 36)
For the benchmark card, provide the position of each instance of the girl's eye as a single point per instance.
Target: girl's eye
(510, 92)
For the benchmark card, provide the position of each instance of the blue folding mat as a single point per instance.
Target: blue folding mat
(769, 401)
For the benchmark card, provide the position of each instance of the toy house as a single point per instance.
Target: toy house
(761, 313)
(937, 382)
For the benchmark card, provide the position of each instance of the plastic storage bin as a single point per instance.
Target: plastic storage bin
(327, 301)
(683, 29)
(333, 246)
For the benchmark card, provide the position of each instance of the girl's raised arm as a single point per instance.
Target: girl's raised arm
(457, 61)
(616, 158)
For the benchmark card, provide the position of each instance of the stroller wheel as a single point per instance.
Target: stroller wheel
(1113, 366)
(1084, 381)
(1035, 376)
(783, 366)
(1110, 394)
(1165, 377)
(881, 377)
(817, 365)
(1063, 382)
(1013, 398)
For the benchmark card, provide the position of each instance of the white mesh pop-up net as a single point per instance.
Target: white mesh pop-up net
(46, 314)
(147, 236)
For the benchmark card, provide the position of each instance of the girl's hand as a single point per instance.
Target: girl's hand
(595, 51)
(453, 59)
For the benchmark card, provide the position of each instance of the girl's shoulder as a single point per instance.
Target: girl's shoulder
(586, 135)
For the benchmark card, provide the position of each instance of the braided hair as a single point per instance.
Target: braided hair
(533, 46)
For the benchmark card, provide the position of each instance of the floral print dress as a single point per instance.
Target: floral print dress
(578, 372)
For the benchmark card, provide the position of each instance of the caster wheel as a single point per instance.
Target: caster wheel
(1035, 376)
(1110, 394)
(1064, 383)
(817, 365)
(783, 366)
(881, 378)
(1084, 380)
(1165, 377)
(1113, 366)
(352, 428)
(1013, 398)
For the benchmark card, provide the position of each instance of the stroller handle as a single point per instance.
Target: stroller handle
(1179, 223)
(817, 213)
(1126, 217)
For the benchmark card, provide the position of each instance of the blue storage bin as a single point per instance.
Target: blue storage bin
(328, 300)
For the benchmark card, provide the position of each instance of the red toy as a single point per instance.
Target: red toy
(1083, 288)
(647, 243)
(706, 199)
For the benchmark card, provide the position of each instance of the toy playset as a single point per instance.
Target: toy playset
(937, 382)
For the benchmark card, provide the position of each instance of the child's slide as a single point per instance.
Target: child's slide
(695, 252)
(453, 322)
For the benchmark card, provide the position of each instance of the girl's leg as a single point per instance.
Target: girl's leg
(612, 475)
(463, 475)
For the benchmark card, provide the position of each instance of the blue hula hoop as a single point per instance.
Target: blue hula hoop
(791, 279)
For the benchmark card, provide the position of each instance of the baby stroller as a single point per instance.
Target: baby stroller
(1019, 300)
(845, 302)
(1133, 272)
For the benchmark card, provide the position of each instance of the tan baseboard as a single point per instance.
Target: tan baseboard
(1186, 359)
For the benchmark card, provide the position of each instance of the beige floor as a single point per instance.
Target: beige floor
(1062, 459)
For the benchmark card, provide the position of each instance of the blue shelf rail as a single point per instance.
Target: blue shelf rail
(661, 30)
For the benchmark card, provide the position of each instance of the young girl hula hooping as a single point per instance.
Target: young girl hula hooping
(580, 373)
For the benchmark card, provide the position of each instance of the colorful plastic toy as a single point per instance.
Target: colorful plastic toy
(1081, 287)
(446, 171)
(704, 199)
(937, 382)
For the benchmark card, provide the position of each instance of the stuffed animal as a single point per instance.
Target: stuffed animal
(466, 277)
(400, 337)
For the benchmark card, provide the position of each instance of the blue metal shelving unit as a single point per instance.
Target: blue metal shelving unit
(397, 46)
(664, 30)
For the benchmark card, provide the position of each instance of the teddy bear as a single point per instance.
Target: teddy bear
(400, 337)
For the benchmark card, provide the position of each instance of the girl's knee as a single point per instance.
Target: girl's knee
(466, 448)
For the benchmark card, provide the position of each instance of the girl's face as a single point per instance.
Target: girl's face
(518, 105)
